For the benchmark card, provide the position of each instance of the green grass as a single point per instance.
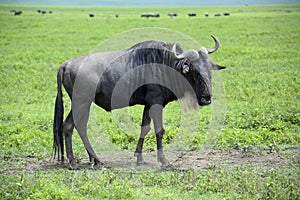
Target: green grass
(260, 47)
(238, 183)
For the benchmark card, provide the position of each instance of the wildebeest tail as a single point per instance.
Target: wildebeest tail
(58, 143)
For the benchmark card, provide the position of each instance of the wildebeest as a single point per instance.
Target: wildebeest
(226, 14)
(172, 15)
(192, 14)
(91, 15)
(217, 14)
(18, 12)
(206, 14)
(150, 73)
(150, 15)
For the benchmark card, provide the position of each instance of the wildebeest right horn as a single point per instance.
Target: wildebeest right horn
(217, 45)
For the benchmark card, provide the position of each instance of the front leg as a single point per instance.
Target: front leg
(144, 130)
(139, 148)
(156, 115)
(160, 154)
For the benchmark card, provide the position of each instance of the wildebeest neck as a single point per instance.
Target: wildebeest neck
(150, 52)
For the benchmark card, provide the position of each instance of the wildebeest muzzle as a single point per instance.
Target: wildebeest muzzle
(204, 100)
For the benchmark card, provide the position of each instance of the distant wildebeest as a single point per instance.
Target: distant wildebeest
(150, 73)
(44, 12)
(91, 15)
(206, 14)
(116, 15)
(146, 15)
(192, 14)
(18, 12)
(39, 11)
(150, 15)
(226, 14)
(50, 12)
(172, 15)
(217, 14)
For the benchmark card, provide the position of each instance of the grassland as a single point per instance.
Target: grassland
(260, 47)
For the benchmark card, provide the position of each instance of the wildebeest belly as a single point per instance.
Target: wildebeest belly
(117, 100)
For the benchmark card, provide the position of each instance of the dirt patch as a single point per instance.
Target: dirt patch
(262, 158)
(195, 160)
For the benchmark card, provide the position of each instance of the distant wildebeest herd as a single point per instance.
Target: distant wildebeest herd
(147, 15)
(19, 12)
(143, 15)
(44, 11)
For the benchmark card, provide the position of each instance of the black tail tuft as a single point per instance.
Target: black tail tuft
(58, 142)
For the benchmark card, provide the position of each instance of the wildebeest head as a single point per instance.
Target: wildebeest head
(197, 69)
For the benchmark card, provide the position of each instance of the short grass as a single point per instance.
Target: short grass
(260, 47)
(245, 182)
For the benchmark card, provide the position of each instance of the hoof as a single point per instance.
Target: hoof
(140, 160)
(139, 163)
(74, 167)
(168, 166)
(99, 165)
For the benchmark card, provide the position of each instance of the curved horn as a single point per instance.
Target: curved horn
(217, 45)
(189, 54)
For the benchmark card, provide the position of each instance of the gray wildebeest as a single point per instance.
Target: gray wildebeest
(150, 15)
(192, 14)
(172, 15)
(150, 73)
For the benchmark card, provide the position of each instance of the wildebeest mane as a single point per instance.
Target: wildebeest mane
(153, 52)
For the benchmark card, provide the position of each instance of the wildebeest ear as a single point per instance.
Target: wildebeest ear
(216, 66)
(183, 65)
(185, 69)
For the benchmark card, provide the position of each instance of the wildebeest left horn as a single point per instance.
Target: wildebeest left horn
(189, 54)
(217, 45)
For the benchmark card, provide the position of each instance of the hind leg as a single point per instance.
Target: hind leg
(68, 128)
(81, 116)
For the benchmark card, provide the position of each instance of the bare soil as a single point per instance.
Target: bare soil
(194, 160)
